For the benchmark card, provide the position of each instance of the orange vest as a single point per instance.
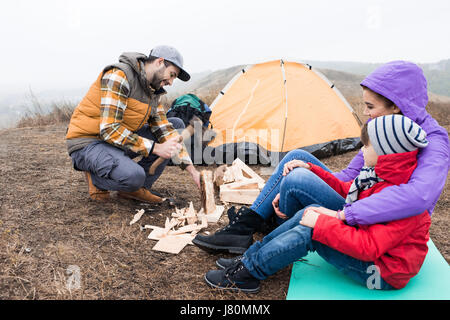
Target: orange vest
(85, 121)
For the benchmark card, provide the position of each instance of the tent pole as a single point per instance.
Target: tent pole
(283, 71)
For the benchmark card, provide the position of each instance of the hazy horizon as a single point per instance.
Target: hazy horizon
(11, 89)
(61, 44)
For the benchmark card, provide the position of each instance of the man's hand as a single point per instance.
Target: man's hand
(195, 174)
(291, 165)
(276, 207)
(167, 149)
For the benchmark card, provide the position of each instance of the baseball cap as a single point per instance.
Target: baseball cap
(172, 55)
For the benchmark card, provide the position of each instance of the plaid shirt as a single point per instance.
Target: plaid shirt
(115, 91)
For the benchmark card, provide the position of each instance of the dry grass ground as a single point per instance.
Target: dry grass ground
(47, 223)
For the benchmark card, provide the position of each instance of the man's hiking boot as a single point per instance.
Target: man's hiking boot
(142, 195)
(94, 192)
(236, 237)
(236, 278)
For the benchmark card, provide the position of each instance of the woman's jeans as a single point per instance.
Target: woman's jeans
(292, 241)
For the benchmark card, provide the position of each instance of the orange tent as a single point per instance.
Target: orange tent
(281, 106)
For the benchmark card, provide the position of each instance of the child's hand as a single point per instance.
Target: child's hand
(309, 218)
(276, 207)
(326, 211)
(291, 165)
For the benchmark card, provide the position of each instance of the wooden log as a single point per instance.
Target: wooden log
(247, 171)
(232, 174)
(228, 175)
(243, 196)
(207, 191)
(243, 184)
(218, 175)
(188, 228)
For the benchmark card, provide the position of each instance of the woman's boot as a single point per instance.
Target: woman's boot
(236, 237)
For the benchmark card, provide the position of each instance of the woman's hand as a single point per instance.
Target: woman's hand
(276, 207)
(291, 165)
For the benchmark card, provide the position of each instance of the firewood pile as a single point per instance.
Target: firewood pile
(179, 230)
(238, 183)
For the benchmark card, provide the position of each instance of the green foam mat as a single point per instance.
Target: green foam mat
(315, 279)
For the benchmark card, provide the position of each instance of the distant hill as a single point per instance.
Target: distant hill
(16, 105)
(208, 85)
(437, 74)
(345, 75)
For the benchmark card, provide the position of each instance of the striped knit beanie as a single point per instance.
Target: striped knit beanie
(395, 134)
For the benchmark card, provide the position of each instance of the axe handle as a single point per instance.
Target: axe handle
(155, 165)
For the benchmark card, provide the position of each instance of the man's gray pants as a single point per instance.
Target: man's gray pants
(113, 169)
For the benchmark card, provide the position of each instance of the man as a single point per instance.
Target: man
(120, 118)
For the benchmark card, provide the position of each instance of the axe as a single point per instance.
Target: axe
(185, 135)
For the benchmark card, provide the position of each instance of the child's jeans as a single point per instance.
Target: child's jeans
(292, 241)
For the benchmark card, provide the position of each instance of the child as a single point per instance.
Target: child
(397, 248)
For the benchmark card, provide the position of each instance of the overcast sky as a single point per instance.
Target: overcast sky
(58, 44)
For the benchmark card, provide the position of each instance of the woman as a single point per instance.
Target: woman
(395, 87)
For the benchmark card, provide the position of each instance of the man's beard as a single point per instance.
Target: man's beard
(158, 77)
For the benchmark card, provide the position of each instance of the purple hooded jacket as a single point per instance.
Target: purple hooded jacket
(404, 84)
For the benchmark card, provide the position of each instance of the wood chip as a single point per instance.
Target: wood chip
(137, 216)
(171, 244)
(215, 216)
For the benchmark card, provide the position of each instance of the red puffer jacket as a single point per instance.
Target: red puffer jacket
(398, 247)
